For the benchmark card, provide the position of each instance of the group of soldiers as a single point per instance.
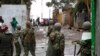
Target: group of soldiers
(26, 37)
(56, 43)
(9, 40)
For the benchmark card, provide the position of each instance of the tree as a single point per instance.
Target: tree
(61, 3)
(49, 4)
(80, 6)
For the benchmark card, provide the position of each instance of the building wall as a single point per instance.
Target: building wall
(17, 11)
(68, 18)
(59, 17)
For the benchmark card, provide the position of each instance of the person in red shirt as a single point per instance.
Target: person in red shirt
(3, 28)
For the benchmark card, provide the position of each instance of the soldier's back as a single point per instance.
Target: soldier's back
(29, 35)
(56, 38)
(59, 44)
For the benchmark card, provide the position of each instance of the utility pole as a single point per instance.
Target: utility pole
(49, 13)
(41, 8)
(28, 4)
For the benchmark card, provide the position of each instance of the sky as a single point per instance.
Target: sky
(37, 9)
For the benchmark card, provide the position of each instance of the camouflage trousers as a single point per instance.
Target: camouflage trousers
(29, 47)
(18, 49)
(52, 52)
(6, 52)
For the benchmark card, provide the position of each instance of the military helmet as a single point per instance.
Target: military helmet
(28, 24)
(86, 25)
(57, 26)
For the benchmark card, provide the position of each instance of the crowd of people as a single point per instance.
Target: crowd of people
(56, 43)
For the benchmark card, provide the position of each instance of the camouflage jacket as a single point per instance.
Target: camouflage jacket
(85, 48)
(58, 40)
(18, 35)
(29, 36)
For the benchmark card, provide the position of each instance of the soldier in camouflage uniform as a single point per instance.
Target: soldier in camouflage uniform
(56, 42)
(50, 27)
(29, 40)
(85, 43)
(17, 42)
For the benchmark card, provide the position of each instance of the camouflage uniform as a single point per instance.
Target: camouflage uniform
(85, 43)
(59, 44)
(85, 48)
(50, 47)
(22, 36)
(56, 44)
(6, 44)
(50, 27)
(29, 41)
(17, 42)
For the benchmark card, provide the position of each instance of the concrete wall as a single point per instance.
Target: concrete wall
(17, 11)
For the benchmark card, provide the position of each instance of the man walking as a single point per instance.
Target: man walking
(16, 40)
(56, 42)
(29, 40)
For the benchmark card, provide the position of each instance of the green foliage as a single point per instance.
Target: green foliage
(49, 4)
(64, 1)
(80, 6)
(54, 1)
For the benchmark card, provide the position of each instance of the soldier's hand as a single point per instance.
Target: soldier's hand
(75, 42)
